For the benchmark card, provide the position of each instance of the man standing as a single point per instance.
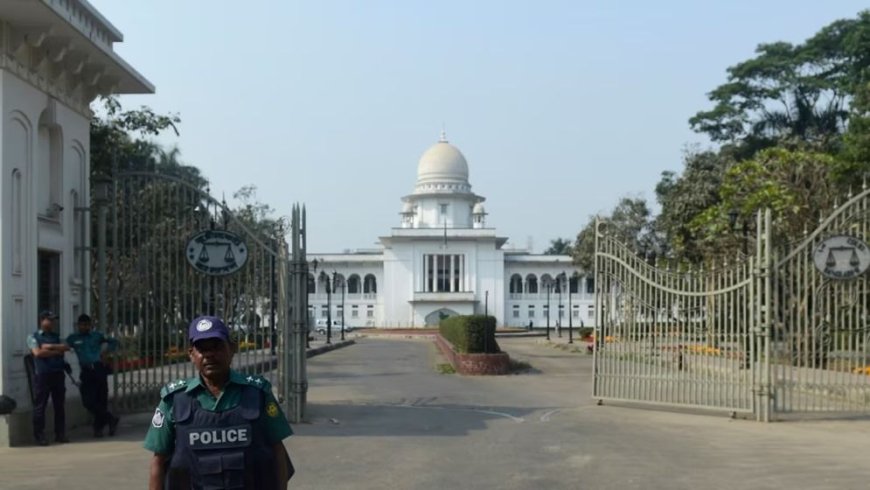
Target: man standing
(220, 429)
(94, 388)
(47, 351)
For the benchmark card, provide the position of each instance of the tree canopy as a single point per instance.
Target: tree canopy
(791, 127)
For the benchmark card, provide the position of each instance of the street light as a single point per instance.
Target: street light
(549, 288)
(343, 287)
(328, 307)
(486, 304)
(559, 286)
(570, 310)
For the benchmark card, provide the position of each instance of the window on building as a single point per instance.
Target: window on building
(590, 285)
(575, 311)
(516, 310)
(370, 311)
(531, 311)
(573, 285)
(443, 210)
(591, 311)
(354, 311)
(443, 273)
(561, 311)
(324, 310)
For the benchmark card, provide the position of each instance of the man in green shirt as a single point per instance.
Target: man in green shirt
(220, 429)
(88, 346)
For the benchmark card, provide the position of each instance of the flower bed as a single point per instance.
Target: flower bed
(474, 364)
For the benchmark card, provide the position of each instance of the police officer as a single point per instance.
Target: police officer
(88, 345)
(220, 429)
(49, 366)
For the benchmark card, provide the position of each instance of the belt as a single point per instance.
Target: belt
(91, 365)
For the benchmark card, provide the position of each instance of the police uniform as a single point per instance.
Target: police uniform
(218, 442)
(48, 382)
(94, 375)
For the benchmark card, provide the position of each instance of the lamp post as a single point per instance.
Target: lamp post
(571, 311)
(328, 308)
(486, 304)
(559, 287)
(343, 287)
(549, 288)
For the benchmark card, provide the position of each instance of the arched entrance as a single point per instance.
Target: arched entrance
(434, 318)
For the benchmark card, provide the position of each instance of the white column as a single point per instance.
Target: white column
(450, 274)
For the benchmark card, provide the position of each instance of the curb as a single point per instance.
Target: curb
(519, 335)
(323, 349)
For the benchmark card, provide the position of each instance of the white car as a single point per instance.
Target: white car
(320, 326)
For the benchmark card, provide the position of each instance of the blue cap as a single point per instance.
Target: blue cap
(208, 327)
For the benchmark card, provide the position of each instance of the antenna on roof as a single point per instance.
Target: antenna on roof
(443, 137)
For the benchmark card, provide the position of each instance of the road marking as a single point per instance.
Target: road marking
(546, 416)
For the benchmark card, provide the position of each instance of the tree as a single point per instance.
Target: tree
(684, 197)
(791, 93)
(629, 221)
(559, 246)
(795, 185)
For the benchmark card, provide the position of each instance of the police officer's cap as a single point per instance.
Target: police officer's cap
(47, 315)
(208, 327)
(84, 318)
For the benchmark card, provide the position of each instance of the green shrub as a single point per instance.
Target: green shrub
(470, 334)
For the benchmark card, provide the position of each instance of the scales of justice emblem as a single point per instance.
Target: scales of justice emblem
(217, 252)
(842, 257)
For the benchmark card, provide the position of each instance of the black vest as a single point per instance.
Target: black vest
(45, 365)
(220, 450)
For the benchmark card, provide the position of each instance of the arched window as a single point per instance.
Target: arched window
(532, 284)
(323, 282)
(312, 287)
(546, 282)
(353, 284)
(516, 285)
(559, 286)
(338, 282)
(573, 284)
(370, 284)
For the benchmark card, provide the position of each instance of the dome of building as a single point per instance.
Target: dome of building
(407, 208)
(442, 162)
(478, 209)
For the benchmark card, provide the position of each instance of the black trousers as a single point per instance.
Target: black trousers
(49, 384)
(95, 393)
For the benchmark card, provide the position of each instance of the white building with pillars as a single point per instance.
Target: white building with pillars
(444, 260)
(56, 57)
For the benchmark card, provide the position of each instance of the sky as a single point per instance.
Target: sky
(560, 107)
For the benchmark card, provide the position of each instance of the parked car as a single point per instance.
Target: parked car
(320, 326)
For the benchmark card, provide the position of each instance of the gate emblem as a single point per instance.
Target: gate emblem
(217, 252)
(842, 257)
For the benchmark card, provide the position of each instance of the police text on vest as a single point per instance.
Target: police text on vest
(223, 437)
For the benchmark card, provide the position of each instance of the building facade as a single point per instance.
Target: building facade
(57, 57)
(443, 260)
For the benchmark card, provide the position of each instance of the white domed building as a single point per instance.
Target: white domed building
(443, 260)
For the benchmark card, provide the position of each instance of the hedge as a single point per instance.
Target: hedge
(470, 334)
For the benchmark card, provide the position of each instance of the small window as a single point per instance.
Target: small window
(354, 311)
(324, 310)
(590, 285)
(443, 210)
(370, 311)
(561, 311)
(591, 311)
(516, 310)
(576, 311)
(531, 311)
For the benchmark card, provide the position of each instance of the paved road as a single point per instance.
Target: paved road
(382, 417)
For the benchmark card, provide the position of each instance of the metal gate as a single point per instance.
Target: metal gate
(152, 229)
(779, 330)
